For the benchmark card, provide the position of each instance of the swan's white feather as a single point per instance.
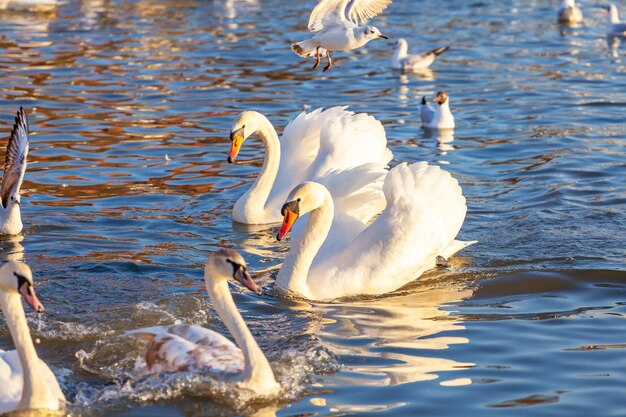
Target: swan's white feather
(181, 347)
(15, 161)
(12, 381)
(326, 144)
(424, 213)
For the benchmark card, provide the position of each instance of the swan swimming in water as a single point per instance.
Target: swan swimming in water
(14, 169)
(325, 146)
(181, 347)
(26, 381)
(425, 211)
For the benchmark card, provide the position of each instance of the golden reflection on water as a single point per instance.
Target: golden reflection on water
(397, 329)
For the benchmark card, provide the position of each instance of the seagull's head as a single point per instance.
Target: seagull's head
(372, 32)
(15, 198)
(441, 98)
(247, 123)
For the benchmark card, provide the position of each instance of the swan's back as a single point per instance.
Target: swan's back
(333, 147)
(425, 211)
(181, 347)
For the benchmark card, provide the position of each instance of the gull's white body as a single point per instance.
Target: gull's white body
(438, 116)
(183, 347)
(569, 13)
(14, 169)
(335, 24)
(26, 382)
(614, 25)
(401, 58)
(425, 211)
(323, 146)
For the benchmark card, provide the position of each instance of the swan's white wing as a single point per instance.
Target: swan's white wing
(12, 382)
(427, 112)
(15, 162)
(181, 347)
(425, 211)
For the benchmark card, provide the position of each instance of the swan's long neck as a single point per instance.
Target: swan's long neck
(255, 199)
(257, 373)
(295, 270)
(35, 391)
(10, 219)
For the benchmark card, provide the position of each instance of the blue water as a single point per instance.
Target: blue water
(529, 321)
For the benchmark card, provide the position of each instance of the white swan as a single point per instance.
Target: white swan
(569, 13)
(325, 146)
(14, 169)
(182, 347)
(425, 210)
(439, 117)
(26, 381)
(403, 61)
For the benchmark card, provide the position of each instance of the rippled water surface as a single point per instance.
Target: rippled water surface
(529, 321)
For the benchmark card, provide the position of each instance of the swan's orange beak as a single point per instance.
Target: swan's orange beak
(288, 220)
(28, 292)
(236, 139)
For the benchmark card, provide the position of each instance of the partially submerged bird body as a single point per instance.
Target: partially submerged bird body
(439, 116)
(335, 24)
(424, 213)
(14, 169)
(402, 60)
(26, 382)
(569, 13)
(182, 347)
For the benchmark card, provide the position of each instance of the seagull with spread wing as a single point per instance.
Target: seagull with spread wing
(14, 169)
(336, 27)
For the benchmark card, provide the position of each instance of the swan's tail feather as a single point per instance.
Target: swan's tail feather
(456, 246)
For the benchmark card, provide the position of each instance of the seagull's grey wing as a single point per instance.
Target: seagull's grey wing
(15, 162)
(328, 13)
(361, 10)
(427, 112)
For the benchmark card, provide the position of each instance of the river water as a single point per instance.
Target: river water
(529, 321)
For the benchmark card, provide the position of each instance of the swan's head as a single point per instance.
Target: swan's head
(372, 32)
(17, 278)
(247, 123)
(227, 263)
(441, 98)
(304, 198)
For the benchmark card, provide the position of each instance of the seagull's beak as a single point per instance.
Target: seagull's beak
(28, 292)
(243, 277)
(382, 36)
(288, 220)
(236, 139)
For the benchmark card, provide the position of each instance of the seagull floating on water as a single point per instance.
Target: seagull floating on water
(438, 117)
(402, 60)
(615, 26)
(569, 13)
(14, 169)
(335, 24)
